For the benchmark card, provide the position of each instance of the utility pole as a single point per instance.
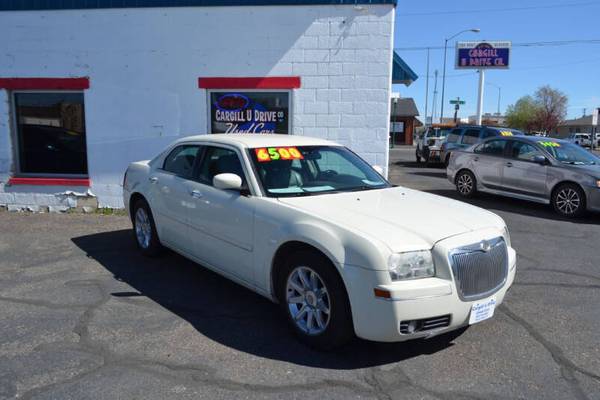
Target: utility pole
(427, 89)
(435, 92)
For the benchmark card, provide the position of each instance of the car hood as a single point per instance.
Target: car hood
(592, 170)
(402, 218)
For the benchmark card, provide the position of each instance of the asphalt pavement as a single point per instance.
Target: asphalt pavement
(84, 316)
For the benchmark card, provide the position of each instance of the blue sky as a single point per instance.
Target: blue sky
(573, 69)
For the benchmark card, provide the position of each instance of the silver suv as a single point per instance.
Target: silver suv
(538, 169)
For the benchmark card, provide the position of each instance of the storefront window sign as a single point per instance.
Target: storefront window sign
(249, 112)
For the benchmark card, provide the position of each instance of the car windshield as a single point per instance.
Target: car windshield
(437, 132)
(312, 170)
(570, 153)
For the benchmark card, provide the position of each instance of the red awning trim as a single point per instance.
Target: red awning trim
(45, 83)
(50, 181)
(271, 82)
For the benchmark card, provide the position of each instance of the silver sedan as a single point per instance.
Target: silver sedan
(538, 169)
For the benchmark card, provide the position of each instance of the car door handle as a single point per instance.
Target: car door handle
(476, 159)
(509, 164)
(196, 194)
(153, 179)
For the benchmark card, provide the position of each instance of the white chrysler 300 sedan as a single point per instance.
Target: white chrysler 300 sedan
(310, 225)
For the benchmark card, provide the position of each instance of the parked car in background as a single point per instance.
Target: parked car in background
(543, 170)
(580, 139)
(465, 136)
(429, 144)
(308, 224)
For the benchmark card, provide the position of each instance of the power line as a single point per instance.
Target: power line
(554, 43)
(507, 9)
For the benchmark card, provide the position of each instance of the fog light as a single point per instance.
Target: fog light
(412, 326)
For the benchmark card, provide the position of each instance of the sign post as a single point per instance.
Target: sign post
(457, 103)
(595, 116)
(481, 56)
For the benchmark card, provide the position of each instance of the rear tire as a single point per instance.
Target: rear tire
(569, 200)
(144, 230)
(466, 184)
(314, 300)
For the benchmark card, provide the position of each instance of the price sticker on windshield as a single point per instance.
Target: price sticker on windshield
(550, 144)
(506, 133)
(266, 154)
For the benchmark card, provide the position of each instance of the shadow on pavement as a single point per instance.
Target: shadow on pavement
(516, 206)
(414, 164)
(231, 314)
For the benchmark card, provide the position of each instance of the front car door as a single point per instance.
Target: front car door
(222, 221)
(522, 175)
(170, 196)
(489, 159)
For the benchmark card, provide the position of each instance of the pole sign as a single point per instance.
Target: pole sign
(595, 115)
(483, 55)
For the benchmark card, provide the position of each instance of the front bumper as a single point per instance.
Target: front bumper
(379, 319)
(593, 198)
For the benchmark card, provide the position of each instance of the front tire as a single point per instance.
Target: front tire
(314, 299)
(569, 200)
(417, 156)
(144, 230)
(466, 184)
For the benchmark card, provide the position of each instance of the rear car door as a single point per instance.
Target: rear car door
(222, 221)
(489, 160)
(521, 175)
(170, 196)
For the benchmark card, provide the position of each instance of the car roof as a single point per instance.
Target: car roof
(250, 140)
(531, 139)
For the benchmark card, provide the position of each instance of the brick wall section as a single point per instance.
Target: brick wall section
(144, 66)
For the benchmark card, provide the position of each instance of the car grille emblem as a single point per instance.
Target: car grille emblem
(485, 246)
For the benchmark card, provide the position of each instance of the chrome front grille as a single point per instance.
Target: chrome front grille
(480, 269)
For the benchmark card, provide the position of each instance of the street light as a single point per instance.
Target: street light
(475, 30)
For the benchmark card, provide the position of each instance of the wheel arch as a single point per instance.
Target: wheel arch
(134, 198)
(565, 182)
(292, 246)
(467, 170)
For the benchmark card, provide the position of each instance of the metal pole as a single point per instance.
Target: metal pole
(427, 89)
(435, 92)
(443, 81)
(480, 95)
(499, 95)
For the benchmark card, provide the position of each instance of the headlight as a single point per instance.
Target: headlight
(598, 183)
(507, 236)
(411, 265)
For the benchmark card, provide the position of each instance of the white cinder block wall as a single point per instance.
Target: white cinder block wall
(144, 65)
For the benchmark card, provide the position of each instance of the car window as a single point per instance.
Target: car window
(453, 136)
(524, 151)
(492, 148)
(181, 160)
(471, 136)
(219, 160)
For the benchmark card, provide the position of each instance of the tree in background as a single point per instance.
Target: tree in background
(542, 113)
(522, 114)
(552, 108)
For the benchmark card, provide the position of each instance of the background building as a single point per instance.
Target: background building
(86, 87)
(404, 120)
(577, 125)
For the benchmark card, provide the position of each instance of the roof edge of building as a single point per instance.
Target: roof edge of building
(36, 5)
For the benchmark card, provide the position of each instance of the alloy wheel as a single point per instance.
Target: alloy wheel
(308, 301)
(143, 228)
(568, 201)
(465, 184)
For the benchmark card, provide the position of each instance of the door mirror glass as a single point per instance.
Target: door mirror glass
(540, 160)
(227, 182)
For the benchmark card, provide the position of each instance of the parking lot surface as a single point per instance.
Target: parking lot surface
(84, 316)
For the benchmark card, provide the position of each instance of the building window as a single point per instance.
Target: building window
(50, 130)
(249, 111)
